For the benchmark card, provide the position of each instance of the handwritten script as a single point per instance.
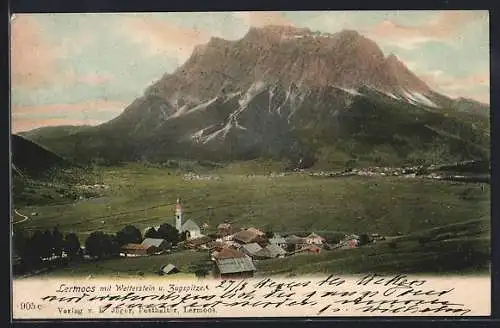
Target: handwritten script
(370, 294)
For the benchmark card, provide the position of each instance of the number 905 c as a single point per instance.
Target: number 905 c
(27, 306)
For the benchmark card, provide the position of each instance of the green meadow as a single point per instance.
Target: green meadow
(401, 208)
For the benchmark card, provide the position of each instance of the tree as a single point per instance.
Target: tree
(46, 244)
(99, 245)
(112, 246)
(57, 242)
(33, 250)
(129, 235)
(151, 233)
(72, 245)
(20, 242)
(364, 239)
(93, 244)
(268, 231)
(169, 233)
(35, 245)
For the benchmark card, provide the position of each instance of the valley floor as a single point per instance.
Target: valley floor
(455, 216)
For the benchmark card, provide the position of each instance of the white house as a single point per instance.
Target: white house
(278, 240)
(192, 229)
(314, 239)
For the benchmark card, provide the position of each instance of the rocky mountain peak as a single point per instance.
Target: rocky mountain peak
(286, 55)
(403, 78)
(348, 34)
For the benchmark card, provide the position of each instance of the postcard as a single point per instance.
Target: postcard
(250, 164)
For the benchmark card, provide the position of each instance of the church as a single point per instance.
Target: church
(193, 230)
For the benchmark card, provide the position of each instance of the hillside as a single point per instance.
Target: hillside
(471, 106)
(53, 133)
(33, 160)
(40, 176)
(289, 94)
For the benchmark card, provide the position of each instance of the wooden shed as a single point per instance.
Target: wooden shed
(138, 249)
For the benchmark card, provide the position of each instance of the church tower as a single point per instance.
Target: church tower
(178, 216)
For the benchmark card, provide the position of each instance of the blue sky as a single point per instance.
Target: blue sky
(86, 68)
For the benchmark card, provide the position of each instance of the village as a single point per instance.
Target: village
(234, 251)
(469, 171)
(227, 247)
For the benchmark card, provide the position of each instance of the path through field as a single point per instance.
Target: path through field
(25, 218)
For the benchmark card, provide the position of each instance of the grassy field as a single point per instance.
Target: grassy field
(126, 267)
(145, 196)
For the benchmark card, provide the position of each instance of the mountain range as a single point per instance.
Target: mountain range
(285, 93)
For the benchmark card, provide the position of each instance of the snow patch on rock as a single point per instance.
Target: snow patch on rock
(351, 91)
(423, 99)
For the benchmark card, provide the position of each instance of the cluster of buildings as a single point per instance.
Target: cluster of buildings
(193, 176)
(149, 246)
(410, 172)
(426, 172)
(234, 251)
(93, 187)
(277, 175)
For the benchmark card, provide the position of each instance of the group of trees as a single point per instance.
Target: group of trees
(45, 245)
(167, 232)
(100, 244)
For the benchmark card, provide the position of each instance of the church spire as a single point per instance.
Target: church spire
(178, 215)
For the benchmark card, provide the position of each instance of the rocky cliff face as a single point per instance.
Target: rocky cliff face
(288, 55)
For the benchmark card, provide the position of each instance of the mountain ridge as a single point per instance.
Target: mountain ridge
(287, 93)
(309, 59)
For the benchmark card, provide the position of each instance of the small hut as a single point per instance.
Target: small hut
(169, 269)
